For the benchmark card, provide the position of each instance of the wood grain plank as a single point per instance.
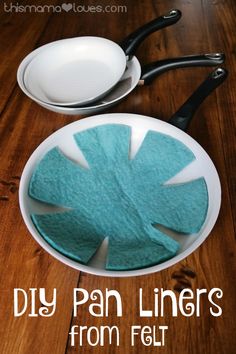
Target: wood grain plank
(19, 34)
(24, 125)
(223, 30)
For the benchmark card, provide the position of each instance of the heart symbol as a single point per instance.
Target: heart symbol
(66, 7)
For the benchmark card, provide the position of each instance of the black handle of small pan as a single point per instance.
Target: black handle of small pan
(131, 43)
(153, 70)
(185, 113)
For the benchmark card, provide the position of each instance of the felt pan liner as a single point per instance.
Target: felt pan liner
(140, 126)
(118, 197)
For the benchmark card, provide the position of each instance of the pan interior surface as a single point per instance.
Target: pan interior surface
(75, 71)
(140, 125)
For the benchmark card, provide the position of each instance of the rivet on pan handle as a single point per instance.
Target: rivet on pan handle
(185, 113)
(214, 56)
(132, 42)
(171, 14)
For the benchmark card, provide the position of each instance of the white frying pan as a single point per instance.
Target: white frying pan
(78, 71)
(203, 166)
(134, 75)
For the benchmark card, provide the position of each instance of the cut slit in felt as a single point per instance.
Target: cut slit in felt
(118, 198)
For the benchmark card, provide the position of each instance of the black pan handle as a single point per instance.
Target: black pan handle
(185, 113)
(153, 70)
(131, 43)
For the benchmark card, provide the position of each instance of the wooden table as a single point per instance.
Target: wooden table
(206, 26)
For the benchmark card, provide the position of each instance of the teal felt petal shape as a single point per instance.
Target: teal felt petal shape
(118, 198)
(180, 207)
(105, 145)
(161, 157)
(70, 234)
(58, 180)
(187, 206)
(144, 247)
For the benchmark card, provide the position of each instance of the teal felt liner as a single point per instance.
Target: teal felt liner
(118, 198)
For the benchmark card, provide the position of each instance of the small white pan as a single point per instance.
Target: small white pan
(201, 167)
(78, 71)
(134, 75)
